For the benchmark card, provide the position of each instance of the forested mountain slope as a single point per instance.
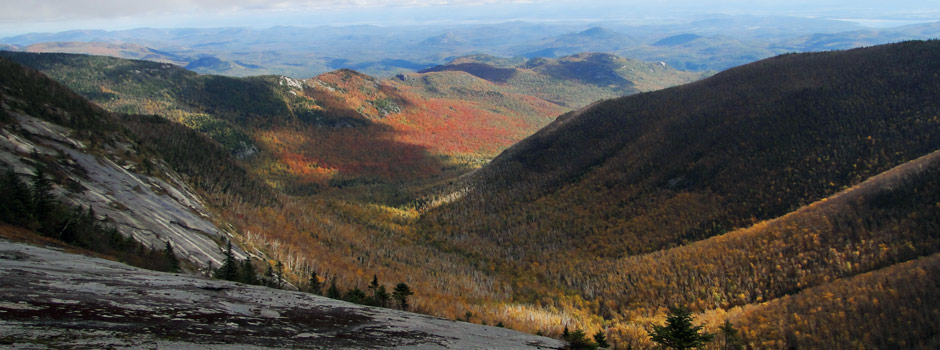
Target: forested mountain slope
(655, 170)
(572, 81)
(787, 281)
(343, 128)
(105, 179)
(631, 205)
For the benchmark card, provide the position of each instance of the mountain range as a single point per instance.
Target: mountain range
(719, 42)
(795, 197)
(335, 121)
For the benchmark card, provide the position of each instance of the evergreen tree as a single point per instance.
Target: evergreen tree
(601, 340)
(333, 291)
(87, 226)
(229, 268)
(173, 264)
(401, 294)
(374, 286)
(355, 295)
(679, 333)
(315, 286)
(565, 333)
(43, 201)
(248, 275)
(732, 340)
(15, 199)
(578, 340)
(69, 231)
(269, 276)
(381, 297)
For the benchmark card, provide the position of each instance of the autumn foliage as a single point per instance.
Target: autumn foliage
(795, 198)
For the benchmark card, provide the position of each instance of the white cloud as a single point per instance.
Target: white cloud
(57, 10)
(21, 16)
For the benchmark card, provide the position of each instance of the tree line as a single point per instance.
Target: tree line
(34, 206)
(377, 295)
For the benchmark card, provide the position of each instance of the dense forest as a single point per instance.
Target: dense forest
(591, 205)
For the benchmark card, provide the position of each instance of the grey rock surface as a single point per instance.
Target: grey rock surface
(52, 299)
(151, 209)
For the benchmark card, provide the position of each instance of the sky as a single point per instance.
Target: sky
(25, 16)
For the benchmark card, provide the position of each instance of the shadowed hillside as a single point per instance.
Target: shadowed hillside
(607, 203)
(748, 144)
(343, 128)
(571, 81)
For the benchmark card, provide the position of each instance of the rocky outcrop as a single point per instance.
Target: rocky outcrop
(51, 299)
(152, 209)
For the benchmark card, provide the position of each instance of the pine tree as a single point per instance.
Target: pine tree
(374, 286)
(601, 340)
(401, 294)
(732, 340)
(173, 264)
(43, 201)
(229, 268)
(15, 199)
(679, 333)
(269, 276)
(315, 286)
(381, 297)
(565, 333)
(247, 273)
(577, 340)
(333, 291)
(355, 295)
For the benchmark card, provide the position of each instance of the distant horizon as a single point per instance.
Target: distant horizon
(864, 23)
(54, 16)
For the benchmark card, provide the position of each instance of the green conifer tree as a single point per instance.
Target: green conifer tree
(229, 269)
(172, 263)
(315, 286)
(578, 340)
(401, 293)
(333, 291)
(247, 272)
(355, 295)
(732, 340)
(269, 276)
(43, 200)
(679, 333)
(15, 199)
(381, 297)
(374, 285)
(601, 340)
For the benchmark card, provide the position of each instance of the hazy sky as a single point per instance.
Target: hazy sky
(23, 16)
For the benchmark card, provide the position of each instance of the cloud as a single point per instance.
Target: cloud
(63, 10)
(20, 16)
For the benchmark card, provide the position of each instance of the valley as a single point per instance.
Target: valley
(794, 197)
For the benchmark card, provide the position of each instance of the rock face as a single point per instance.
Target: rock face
(54, 299)
(151, 209)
